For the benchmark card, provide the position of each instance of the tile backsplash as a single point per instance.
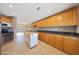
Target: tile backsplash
(63, 29)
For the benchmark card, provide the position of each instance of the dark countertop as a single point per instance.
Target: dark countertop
(71, 34)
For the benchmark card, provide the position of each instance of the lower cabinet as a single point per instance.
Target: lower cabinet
(47, 38)
(71, 45)
(52, 40)
(59, 42)
(67, 44)
(43, 37)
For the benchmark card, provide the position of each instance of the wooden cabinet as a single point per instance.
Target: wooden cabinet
(59, 42)
(51, 40)
(67, 44)
(51, 21)
(78, 15)
(71, 45)
(5, 19)
(69, 17)
(47, 38)
(59, 19)
(41, 36)
(39, 24)
(44, 37)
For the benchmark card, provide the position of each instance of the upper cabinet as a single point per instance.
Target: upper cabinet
(5, 19)
(10, 21)
(78, 15)
(69, 17)
(51, 21)
(59, 19)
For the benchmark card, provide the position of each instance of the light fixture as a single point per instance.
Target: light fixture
(10, 5)
(48, 10)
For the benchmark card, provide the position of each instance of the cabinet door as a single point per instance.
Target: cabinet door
(59, 42)
(41, 36)
(78, 15)
(40, 23)
(5, 19)
(59, 19)
(46, 38)
(69, 17)
(51, 21)
(71, 45)
(52, 40)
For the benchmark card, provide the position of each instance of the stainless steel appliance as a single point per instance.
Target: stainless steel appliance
(1, 41)
(6, 33)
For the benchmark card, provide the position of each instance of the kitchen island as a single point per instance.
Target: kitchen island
(31, 39)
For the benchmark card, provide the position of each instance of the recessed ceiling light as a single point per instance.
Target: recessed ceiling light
(10, 5)
(48, 10)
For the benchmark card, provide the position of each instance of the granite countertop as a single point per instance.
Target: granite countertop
(70, 34)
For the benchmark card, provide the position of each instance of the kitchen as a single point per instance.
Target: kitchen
(48, 30)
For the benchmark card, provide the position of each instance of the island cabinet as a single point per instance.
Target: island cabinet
(71, 45)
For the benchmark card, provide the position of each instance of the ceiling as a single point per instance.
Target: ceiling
(27, 13)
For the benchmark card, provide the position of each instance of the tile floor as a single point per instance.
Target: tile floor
(19, 47)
